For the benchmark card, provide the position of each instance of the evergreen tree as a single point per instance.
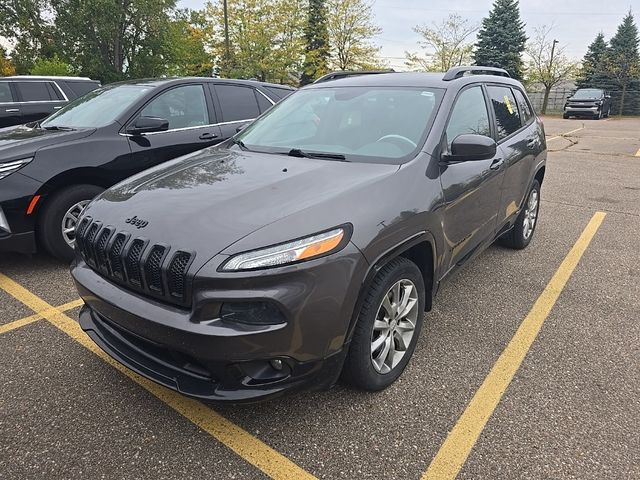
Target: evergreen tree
(592, 74)
(623, 61)
(317, 43)
(501, 40)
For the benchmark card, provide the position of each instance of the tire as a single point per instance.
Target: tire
(51, 218)
(369, 370)
(608, 112)
(520, 236)
(565, 116)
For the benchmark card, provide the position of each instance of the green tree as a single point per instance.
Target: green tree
(6, 66)
(316, 61)
(548, 64)
(187, 40)
(622, 60)
(447, 44)
(265, 36)
(502, 38)
(350, 28)
(51, 66)
(592, 72)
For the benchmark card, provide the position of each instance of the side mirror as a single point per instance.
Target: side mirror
(468, 147)
(148, 125)
(607, 96)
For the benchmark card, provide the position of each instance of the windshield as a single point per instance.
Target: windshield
(367, 124)
(587, 93)
(97, 108)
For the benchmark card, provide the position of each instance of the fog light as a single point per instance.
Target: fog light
(254, 313)
(276, 364)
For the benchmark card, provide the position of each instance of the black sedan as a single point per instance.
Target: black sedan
(50, 170)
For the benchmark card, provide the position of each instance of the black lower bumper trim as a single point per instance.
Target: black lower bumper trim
(18, 242)
(151, 361)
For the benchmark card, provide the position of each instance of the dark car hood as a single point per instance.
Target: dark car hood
(210, 200)
(23, 140)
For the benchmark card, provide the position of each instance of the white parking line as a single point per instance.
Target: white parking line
(565, 134)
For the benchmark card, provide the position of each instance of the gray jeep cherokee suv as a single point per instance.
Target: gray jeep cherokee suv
(312, 243)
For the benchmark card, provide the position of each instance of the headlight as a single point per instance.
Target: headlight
(7, 168)
(304, 249)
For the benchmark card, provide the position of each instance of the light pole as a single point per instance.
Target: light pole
(227, 50)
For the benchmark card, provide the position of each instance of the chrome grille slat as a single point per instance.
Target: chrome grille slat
(135, 262)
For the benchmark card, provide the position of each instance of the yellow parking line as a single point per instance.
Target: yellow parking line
(456, 448)
(565, 134)
(7, 327)
(251, 449)
(638, 153)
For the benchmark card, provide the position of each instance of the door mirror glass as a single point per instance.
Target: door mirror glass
(469, 147)
(148, 125)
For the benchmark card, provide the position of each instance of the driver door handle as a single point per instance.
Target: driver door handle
(208, 136)
(12, 110)
(497, 163)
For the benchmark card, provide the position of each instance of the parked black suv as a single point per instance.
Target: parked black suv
(312, 242)
(588, 102)
(31, 98)
(50, 170)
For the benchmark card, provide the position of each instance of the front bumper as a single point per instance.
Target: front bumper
(219, 360)
(582, 111)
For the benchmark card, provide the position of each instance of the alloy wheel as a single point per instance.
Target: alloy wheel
(530, 214)
(70, 222)
(394, 326)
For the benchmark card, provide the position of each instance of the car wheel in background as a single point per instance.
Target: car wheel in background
(387, 328)
(522, 232)
(565, 116)
(59, 218)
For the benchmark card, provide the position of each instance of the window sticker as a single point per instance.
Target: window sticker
(508, 104)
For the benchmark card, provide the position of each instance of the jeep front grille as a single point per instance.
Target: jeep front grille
(154, 269)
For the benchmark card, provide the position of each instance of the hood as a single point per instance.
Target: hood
(583, 100)
(22, 140)
(208, 201)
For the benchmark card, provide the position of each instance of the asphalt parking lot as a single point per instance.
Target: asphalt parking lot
(529, 367)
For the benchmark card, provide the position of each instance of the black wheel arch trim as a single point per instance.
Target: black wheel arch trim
(383, 259)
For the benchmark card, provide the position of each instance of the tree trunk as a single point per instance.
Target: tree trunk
(624, 91)
(545, 100)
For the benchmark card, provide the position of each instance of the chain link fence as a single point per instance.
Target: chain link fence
(558, 97)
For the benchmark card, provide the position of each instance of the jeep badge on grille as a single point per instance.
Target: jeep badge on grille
(137, 222)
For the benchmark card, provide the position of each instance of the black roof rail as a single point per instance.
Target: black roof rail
(458, 72)
(350, 73)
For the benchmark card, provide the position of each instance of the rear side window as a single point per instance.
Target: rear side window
(278, 93)
(34, 92)
(469, 115)
(506, 110)
(183, 107)
(263, 103)
(82, 88)
(54, 92)
(523, 105)
(5, 92)
(237, 103)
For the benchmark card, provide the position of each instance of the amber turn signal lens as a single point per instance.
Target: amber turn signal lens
(321, 247)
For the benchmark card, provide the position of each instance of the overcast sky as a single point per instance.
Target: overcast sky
(576, 21)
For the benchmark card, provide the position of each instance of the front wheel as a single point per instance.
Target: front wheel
(522, 232)
(59, 219)
(387, 328)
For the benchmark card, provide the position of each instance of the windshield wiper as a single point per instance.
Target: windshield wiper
(55, 127)
(240, 143)
(296, 152)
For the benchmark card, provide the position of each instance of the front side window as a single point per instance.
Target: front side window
(237, 103)
(469, 115)
(368, 124)
(5, 92)
(34, 91)
(183, 107)
(505, 109)
(98, 108)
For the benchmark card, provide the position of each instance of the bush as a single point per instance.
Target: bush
(51, 66)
